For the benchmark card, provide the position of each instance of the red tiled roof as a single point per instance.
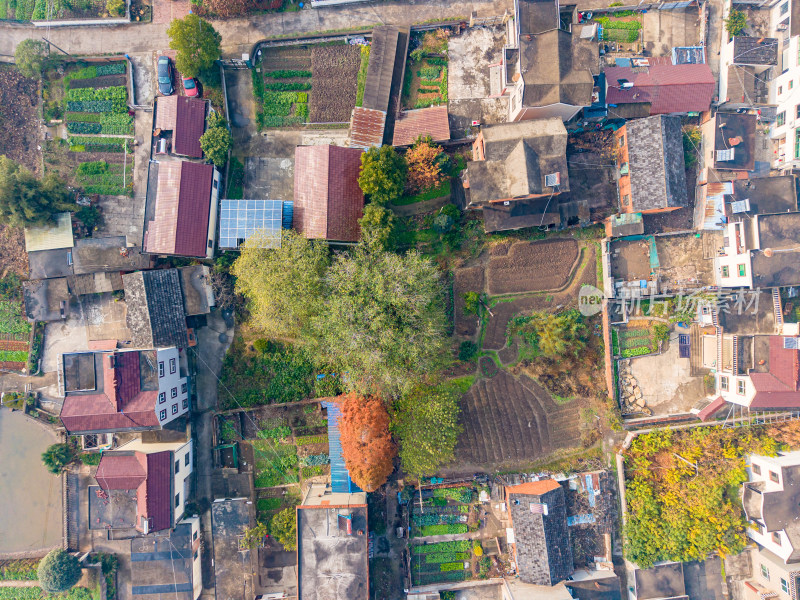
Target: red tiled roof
(150, 475)
(166, 112)
(366, 128)
(669, 88)
(158, 490)
(327, 200)
(411, 124)
(533, 488)
(194, 203)
(121, 405)
(120, 472)
(711, 409)
(190, 123)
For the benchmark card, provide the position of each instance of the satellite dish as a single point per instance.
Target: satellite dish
(768, 252)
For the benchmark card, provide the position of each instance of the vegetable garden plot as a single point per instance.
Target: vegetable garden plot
(335, 82)
(532, 266)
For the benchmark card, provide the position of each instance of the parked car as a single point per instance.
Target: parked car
(190, 86)
(165, 76)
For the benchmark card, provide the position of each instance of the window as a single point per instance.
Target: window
(776, 537)
(621, 141)
(723, 383)
(195, 553)
(740, 387)
(784, 586)
(161, 369)
(742, 270)
(784, 8)
(797, 136)
(184, 387)
(626, 200)
(177, 500)
(177, 466)
(163, 414)
(773, 476)
(781, 119)
(186, 464)
(174, 393)
(185, 403)
(172, 366)
(174, 409)
(162, 397)
(756, 469)
(194, 536)
(216, 184)
(765, 572)
(726, 271)
(780, 91)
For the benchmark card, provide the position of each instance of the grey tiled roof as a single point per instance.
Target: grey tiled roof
(156, 315)
(657, 169)
(544, 552)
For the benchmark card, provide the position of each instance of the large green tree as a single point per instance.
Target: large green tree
(283, 286)
(383, 175)
(377, 226)
(26, 200)
(383, 320)
(197, 44)
(58, 571)
(29, 56)
(57, 456)
(425, 419)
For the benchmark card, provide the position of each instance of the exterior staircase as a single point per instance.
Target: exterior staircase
(777, 308)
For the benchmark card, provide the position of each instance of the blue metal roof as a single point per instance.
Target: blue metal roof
(340, 476)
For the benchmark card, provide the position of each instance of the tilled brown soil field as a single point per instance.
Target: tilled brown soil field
(532, 267)
(509, 421)
(334, 82)
(495, 336)
(469, 279)
(19, 120)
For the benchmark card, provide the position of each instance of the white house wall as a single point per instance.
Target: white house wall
(182, 466)
(173, 390)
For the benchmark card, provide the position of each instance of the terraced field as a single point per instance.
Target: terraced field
(509, 421)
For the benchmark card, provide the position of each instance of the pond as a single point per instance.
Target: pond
(31, 518)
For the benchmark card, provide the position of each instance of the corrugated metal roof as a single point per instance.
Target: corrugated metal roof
(367, 127)
(669, 88)
(378, 84)
(166, 112)
(51, 236)
(194, 203)
(340, 476)
(160, 237)
(411, 124)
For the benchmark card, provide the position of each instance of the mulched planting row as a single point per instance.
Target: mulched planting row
(469, 279)
(334, 83)
(532, 267)
(13, 345)
(12, 366)
(103, 81)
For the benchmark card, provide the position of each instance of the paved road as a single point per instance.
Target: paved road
(239, 35)
(209, 352)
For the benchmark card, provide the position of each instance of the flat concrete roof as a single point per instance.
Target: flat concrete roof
(332, 564)
(231, 565)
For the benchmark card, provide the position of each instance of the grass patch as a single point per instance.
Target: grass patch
(362, 75)
(437, 192)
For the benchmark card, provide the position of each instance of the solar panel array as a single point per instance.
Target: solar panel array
(240, 219)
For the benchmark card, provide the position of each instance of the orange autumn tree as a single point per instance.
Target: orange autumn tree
(367, 445)
(424, 167)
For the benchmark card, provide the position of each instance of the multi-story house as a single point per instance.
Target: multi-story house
(160, 475)
(122, 390)
(771, 497)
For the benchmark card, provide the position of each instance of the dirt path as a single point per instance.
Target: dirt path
(19, 583)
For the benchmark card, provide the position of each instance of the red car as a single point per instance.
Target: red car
(190, 86)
